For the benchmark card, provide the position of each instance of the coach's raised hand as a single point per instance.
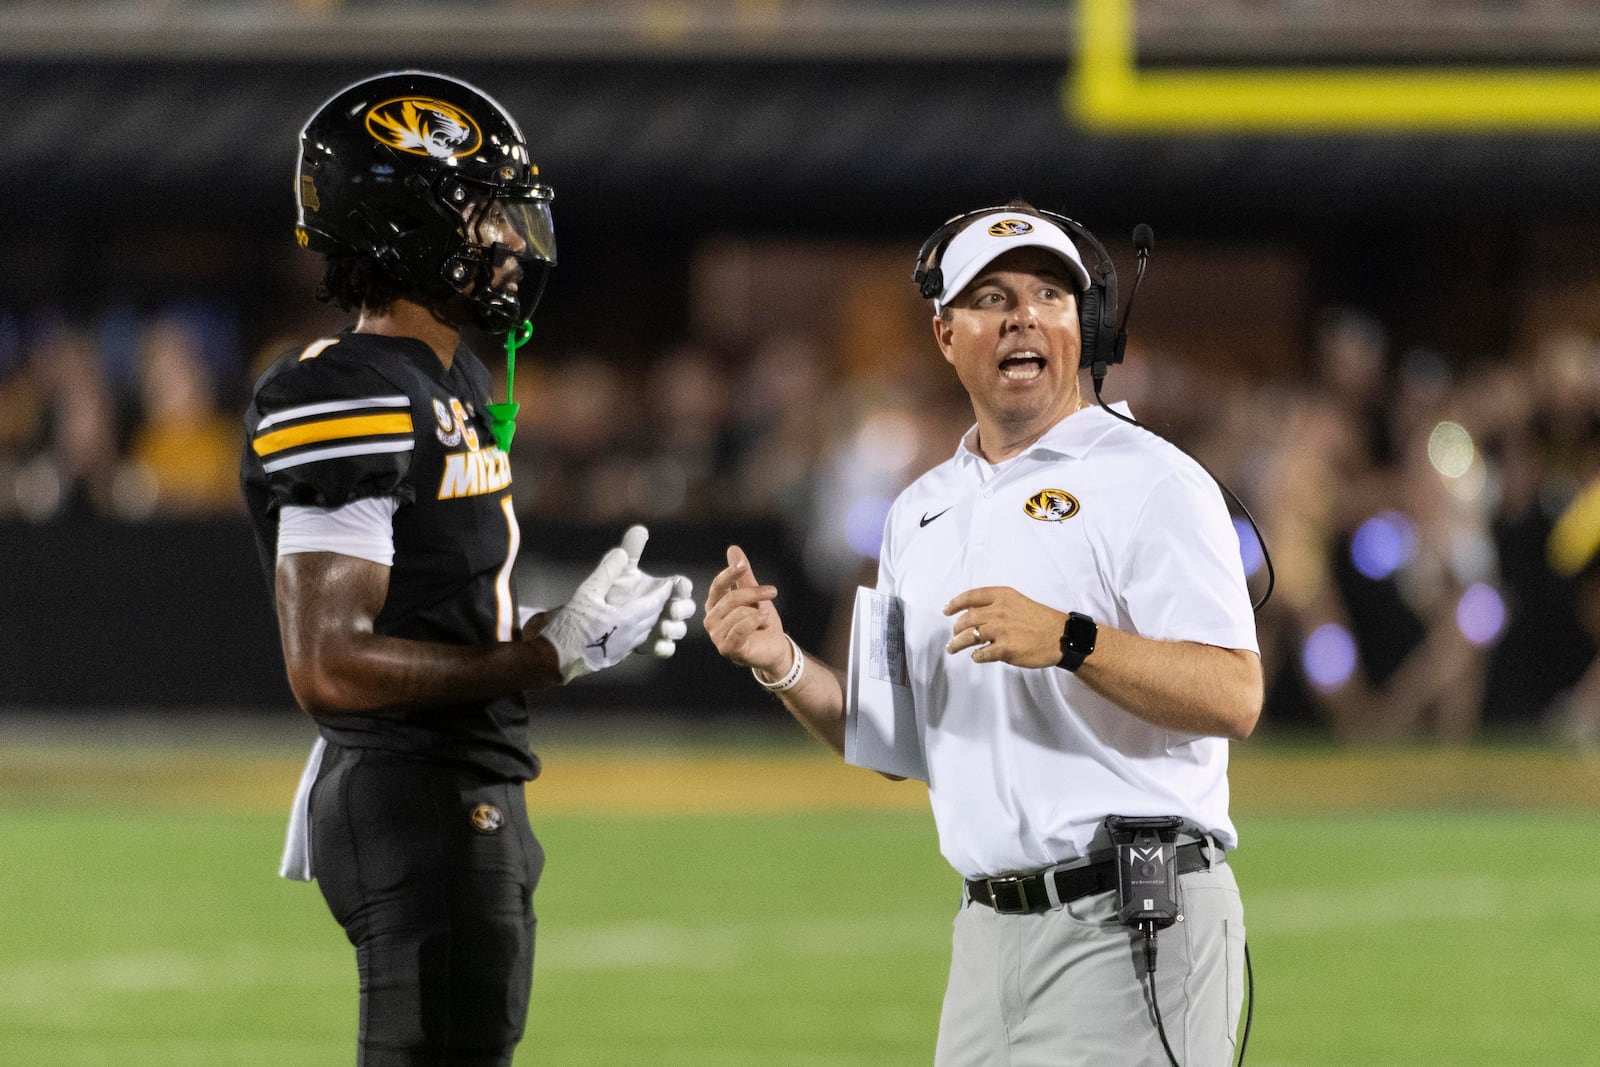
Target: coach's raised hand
(741, 620)
(743, 624)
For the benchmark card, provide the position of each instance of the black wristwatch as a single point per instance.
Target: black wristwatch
(1077, 640)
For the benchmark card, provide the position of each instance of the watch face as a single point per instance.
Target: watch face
(1081, 633)
(1077, 640)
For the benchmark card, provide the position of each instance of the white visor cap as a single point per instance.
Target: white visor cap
(987, 237)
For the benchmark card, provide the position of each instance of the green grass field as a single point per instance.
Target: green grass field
(798, 916)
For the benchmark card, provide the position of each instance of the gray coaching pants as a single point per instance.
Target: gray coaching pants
(1066, 988)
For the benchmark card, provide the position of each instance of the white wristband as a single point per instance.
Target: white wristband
(790, 680)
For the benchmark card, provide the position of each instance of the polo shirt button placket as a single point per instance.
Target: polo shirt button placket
(978, 531)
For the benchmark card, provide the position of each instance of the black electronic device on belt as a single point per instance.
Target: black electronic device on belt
(1147, 888)
(1147, 873)
(1147, 897)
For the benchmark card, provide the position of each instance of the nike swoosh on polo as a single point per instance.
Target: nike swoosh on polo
(926, 518)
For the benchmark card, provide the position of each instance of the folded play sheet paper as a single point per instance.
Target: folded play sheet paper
(880, 730)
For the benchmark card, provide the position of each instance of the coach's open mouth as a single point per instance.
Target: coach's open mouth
(1022, 367)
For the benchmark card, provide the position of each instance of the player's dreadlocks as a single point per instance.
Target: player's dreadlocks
(352, 282)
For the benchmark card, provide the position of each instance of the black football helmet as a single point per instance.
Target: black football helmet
(430, 180)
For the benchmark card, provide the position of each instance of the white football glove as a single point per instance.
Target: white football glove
(671, 625)
(617, 609)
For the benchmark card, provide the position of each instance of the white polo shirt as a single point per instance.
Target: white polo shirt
(1098, 517)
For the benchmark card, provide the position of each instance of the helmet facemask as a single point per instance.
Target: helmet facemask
(506, 250)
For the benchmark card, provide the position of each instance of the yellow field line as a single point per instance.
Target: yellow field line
(718, 781)
(596, 779)
(575, 779)
(1277, 780)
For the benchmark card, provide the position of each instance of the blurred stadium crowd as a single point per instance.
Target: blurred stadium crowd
(1433, 573)
(1432, 516)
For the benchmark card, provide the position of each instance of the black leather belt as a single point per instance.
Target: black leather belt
(1022, 893)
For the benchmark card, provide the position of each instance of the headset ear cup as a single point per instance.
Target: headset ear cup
(1089, 304)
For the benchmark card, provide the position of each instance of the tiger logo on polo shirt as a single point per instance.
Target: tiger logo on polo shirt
(1051, 505)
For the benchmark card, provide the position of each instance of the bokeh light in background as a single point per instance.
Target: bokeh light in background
(867, 476)
(1382, 545)
(863, 525)
(1329, 656)
(888, 441)
(1470, 485)
(1250, 553)
(1455, 455)
(1481, 613)
(1450, 449)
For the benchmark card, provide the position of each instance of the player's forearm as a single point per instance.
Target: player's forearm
(1177, 685)
(338, 665)
(368, 674)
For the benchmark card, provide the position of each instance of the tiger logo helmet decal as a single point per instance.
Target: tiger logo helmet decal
(424, 126)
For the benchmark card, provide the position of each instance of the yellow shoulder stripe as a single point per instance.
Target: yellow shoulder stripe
(316, 348)
(331, 430)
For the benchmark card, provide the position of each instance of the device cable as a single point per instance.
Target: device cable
(1249, 1004)
(1150, 972)
(1155, 1005)
(1143, 239)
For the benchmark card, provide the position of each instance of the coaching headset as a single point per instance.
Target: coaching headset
(1102, 337)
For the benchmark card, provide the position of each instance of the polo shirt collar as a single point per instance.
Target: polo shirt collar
(1072, 437)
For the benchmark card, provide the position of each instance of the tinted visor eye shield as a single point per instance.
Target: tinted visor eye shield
(525, 215)
(514, 235)
(532, 243)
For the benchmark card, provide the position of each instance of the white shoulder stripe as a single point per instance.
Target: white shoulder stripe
(328, 407)
(366, 448)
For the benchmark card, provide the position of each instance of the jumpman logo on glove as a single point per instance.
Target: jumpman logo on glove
(601, 644)
(643, 612)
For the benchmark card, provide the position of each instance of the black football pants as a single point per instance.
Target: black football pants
(430, 869)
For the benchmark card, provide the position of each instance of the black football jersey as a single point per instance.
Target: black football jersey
(358, 416)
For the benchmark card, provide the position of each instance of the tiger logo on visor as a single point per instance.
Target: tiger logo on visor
(1051, 505)
(1010, 228)
(424, 126)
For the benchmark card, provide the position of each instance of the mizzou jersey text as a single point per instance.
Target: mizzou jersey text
(359, 416)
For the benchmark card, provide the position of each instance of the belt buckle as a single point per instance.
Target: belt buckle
(1014, 891)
